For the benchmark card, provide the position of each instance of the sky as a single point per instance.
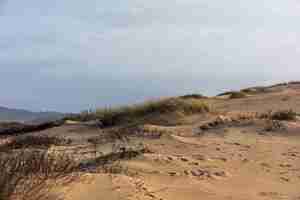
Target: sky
(71, 55)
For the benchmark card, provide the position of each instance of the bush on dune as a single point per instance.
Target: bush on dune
(110, 117)
(114, 116)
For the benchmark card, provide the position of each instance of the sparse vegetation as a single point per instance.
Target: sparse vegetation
(31, 175)
(115, 116)
(35, 166)
(23, 142)
(8, 128)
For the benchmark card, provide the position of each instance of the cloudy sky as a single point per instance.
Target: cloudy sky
(69, 55)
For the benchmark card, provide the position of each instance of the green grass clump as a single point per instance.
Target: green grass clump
(124, 114)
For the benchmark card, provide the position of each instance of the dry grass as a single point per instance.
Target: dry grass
(124, 114)
(9, 128)
(22, 142)
(110, 117)
(31, 175)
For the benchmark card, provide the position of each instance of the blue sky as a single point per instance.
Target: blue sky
(71, 55)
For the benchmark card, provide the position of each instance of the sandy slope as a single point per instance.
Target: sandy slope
(240, 163)
(236, 161)
(236, 165)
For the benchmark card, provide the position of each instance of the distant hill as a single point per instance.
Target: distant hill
(10, 114)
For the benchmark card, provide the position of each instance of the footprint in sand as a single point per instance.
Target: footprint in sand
(272, 195)
(285, 179)
(173, 173)
(267, 165)
(285, 165)
(183, 159)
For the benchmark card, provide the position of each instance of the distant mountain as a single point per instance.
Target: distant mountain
(9, 114)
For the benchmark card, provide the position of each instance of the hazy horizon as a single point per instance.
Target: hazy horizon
(69, 56)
